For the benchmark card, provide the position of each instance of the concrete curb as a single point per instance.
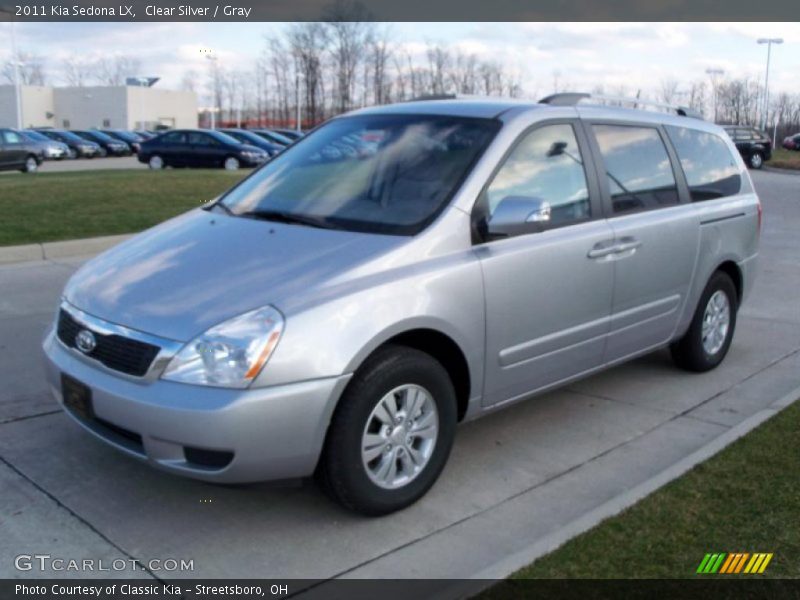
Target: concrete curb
(52, 250)
(512, 563)
(795, 172)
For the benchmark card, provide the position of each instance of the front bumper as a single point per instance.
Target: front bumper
(55, 153)
(272, 433)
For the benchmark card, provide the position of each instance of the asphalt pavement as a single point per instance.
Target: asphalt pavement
(514, 478)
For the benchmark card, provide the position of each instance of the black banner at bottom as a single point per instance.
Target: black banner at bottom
(400, 589)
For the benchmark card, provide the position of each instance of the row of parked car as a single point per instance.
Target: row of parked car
(26, 149)
(226, 147)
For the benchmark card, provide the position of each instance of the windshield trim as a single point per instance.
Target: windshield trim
(494, 125)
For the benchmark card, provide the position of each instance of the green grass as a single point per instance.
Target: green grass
(744, 499)
(47, 207)
(785, 159)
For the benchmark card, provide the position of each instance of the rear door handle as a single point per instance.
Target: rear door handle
(627, 243)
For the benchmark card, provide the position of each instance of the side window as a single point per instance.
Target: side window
(11, 137)
(710, 168)
(542, 181)
(638, 168)
(174, 138)
(202, 139)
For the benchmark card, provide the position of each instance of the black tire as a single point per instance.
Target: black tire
(31, 164)
(688, 352)
(341, 471)
(756, 160)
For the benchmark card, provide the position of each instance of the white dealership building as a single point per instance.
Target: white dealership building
(115, 107)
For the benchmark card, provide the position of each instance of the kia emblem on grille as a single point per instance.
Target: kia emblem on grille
(85, 341)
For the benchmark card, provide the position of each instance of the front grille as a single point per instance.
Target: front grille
(114, 351)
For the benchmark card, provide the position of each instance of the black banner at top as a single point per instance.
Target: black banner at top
(401, 10)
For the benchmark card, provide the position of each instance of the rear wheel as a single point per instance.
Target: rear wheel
(391, 434)
(709, 336)
(756, 160)
(31, 165)
(155, 162)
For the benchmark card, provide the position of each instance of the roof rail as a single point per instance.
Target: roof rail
(573, 98)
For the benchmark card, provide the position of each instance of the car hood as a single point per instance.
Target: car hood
(192, 272)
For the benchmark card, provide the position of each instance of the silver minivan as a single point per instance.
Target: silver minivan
(399, 270)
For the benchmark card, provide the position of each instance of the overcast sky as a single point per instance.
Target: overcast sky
(579, 55)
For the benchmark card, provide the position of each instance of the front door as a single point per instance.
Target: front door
(548, 283)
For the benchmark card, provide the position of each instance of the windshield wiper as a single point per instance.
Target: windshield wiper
(218, 204)
(286, 217)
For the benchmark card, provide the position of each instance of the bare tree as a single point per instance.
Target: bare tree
(189, 81)
(308, 43)
(76, 70)
(115, 70)
(349, 35)
(668, 90)
(30, 67)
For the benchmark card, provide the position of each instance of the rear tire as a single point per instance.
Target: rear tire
(413, 445)
(708, 339)
(156, 162)
(756, 160)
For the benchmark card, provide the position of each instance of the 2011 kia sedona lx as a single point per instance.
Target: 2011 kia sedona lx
(401, 269)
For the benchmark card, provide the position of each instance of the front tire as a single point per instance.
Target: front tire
(231, 164)
(391, 434)
(31, 165)
(756, 160)
(709, 337)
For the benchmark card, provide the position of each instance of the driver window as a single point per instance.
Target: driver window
(545, 169)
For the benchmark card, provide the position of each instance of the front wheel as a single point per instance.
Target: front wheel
(706, 343)
(31, 165)
(391, 434)
(231, 163)
(756, 161)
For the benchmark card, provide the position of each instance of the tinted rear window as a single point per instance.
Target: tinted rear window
(708, 163)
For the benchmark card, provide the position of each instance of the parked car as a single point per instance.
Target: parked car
(78, 147)
(755, 146)
(292, 134)
(199, 148)
(130, 138)
(51, 150)
(19, 153)
(246, 136)
(144, 134)
(110, 146)
(339, 317)
(792, 142)
(271, 136)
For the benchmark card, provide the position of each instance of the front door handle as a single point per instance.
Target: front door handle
(601, 249)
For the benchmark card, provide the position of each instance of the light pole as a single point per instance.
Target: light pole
(768, 42)
(214, 78)
(713, 73)
(144, 82)
(15, 61)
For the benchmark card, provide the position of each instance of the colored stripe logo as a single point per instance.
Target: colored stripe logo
(734, 563)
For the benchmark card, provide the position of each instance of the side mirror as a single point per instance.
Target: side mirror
(516, 215)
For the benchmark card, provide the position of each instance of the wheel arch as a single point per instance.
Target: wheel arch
(441, 346)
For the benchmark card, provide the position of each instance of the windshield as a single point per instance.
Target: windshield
(67, 135)
(97, 135)
(245, 137)
(36, 136)
(125, 135)
(223, 137)
(377, 173)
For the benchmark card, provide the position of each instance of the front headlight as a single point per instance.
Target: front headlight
(230, 354)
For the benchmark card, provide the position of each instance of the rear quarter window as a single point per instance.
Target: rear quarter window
(710, 167)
